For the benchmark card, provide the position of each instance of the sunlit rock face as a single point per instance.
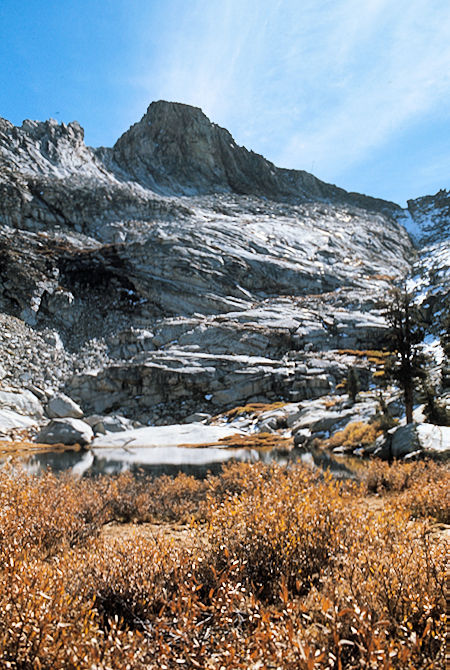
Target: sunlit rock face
(427, 220)
(178, 272)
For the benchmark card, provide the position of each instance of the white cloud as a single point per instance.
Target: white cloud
(404, 73)
(317, 84)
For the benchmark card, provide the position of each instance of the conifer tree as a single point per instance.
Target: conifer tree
(435, 410)
(406, 334)
(445, 343)
(352, 384)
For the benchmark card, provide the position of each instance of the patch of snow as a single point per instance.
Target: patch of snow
(432, 347)
(191, 434)
(434, 438)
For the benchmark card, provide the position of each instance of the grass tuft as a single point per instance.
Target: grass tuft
(284, 568)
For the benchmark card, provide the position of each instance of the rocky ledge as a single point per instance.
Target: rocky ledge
(178, 273)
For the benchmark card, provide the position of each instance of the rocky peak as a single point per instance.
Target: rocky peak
(43, 147)
(176, 149)
(173, 150)
(51, 129)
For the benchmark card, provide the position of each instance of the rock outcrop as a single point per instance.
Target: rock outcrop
(61, 406)
(66, 431)
(178, 273)
(175, 148)
(415, 440)
(428, 221)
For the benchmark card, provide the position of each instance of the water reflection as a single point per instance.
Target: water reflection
(157, 461)
(322, 460)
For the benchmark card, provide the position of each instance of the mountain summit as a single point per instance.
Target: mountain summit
(175, 148)
(178, 272)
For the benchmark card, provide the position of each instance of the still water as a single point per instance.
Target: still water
(170, 460)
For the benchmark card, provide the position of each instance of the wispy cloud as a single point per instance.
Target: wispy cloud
(318, 85)
(399, 72)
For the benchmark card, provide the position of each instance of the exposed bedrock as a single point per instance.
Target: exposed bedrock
(178, 272)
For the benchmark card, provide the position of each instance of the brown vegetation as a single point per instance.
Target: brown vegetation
(356, 434)
(284, 568)
(365, 353)
(253, 409)
(21, 446)
(258, 441)
(375, 357)
(253, 441)
(381, 277)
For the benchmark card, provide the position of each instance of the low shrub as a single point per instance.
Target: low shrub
(252, 409)
(356, 434)
(283, 529)
(424, 485)
(285, 568)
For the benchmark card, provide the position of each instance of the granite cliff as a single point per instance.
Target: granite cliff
(177, 272)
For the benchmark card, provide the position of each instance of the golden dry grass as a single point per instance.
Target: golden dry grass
(382, 277)
(366, 353)
(260, 567)
(260, 441)
(252, 409)
(355, 434)
(23, 448)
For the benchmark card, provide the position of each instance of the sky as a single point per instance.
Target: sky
(355, 91)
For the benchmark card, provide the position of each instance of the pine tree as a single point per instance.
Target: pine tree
(406, 333)
(445, 343)
(352, 384)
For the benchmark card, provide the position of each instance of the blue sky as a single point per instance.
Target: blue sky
(357, 92)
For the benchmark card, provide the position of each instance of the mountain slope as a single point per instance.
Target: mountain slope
(178, 271)
(427, 220)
